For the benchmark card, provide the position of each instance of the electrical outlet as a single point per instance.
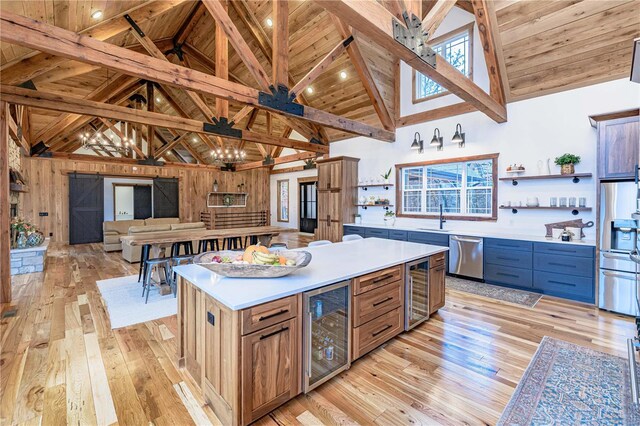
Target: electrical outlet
(43, 214)
(51, 234)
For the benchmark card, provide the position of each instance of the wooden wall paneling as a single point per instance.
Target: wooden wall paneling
(5, 246)
(49, 187)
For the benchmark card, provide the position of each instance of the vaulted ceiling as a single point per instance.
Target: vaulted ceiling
(548, 46)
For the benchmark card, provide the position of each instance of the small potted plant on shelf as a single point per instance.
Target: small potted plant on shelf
(386, 176)
(389, 218)
(567, 163)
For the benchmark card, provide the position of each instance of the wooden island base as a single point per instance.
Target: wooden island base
(249, 362)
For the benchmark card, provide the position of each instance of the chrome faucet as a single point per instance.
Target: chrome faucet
(442, 219)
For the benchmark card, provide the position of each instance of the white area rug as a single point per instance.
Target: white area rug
(125, 304)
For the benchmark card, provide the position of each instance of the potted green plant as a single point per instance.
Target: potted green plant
(567, 163)
(386, 176)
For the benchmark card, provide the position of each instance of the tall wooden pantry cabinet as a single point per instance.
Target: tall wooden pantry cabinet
(337, 195)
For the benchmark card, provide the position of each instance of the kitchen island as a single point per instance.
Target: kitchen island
(253, 344)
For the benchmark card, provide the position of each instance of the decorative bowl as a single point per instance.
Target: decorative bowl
(236, 270)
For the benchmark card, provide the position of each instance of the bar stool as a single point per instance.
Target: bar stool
(232, 243)
(144, 255)
(206, 245)
(176, 248)
(160, 262)
(184, 259)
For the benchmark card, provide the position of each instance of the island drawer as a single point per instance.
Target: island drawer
(376, 279)
(372, 304)
(377, 331)
(270, 313)
(436, 260)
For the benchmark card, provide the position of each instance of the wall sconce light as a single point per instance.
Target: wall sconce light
(437, 139)
(418, 143)
(458, 137)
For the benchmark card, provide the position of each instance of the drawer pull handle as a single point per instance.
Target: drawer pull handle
(382, 301)
(382, 278)
(266, 336)
(562, 264)
(506, 258)
(275, 314)
(561, 283)
(383, 329)
(507, 275)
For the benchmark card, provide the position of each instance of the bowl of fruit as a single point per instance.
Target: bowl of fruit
(256, 261)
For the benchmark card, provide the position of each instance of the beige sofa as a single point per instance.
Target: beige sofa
(132, 253)
(113, 230)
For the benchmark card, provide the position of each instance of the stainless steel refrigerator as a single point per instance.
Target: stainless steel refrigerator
(618, 289)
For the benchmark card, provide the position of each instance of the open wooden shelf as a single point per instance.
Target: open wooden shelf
(386, 186)
(575, 177)
(573, 210)
(364, 206)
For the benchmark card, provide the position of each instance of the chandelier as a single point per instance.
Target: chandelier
(228, 157)
(98, 141)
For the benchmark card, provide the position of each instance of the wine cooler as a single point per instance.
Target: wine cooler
(327, 337)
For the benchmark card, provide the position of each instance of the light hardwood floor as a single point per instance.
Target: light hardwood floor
(62, 364)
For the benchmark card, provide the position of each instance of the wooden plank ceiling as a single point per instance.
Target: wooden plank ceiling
(548, 46)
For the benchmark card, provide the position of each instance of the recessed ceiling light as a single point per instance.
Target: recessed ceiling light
(169, 152)
(96, 14)
(158, 99)
(343, 75)
(195, 139)
(269, 22)
(309, 89)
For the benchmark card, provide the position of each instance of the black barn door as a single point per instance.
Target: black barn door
(142, 201)
(86, 208)
(165, 198)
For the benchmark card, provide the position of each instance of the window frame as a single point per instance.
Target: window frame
(279, 186)
(438, 40)
(494, 193)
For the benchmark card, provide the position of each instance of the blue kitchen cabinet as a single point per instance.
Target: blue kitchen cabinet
(353, 230)
(508, 262)
(376, 232)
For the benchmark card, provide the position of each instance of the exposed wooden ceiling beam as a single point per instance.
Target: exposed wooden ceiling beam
(436, 114)
(171, 145)
(189, 24)
(222, 62)
(56, 102)
(280, 160)
(321, 66)
(16, 133)
(368, 82)
(37, 35)
(217, 10)
(83, 120)
(487, 22)
(31, 67)
(264, 44)
(435, 16)
(377, 23)
(280, 62)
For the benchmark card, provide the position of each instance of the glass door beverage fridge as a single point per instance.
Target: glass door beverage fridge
(417, 293)
(327, 337)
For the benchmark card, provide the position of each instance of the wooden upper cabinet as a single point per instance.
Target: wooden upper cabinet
(270, 370)
(337, 195)
(618, 147)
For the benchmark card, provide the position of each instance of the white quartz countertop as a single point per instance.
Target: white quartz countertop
(330, 264)
(467, 232)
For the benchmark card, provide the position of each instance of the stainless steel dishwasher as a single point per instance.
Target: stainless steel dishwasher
(466, 256)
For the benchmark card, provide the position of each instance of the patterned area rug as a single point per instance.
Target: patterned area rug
(505, 294)
(567, 384)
